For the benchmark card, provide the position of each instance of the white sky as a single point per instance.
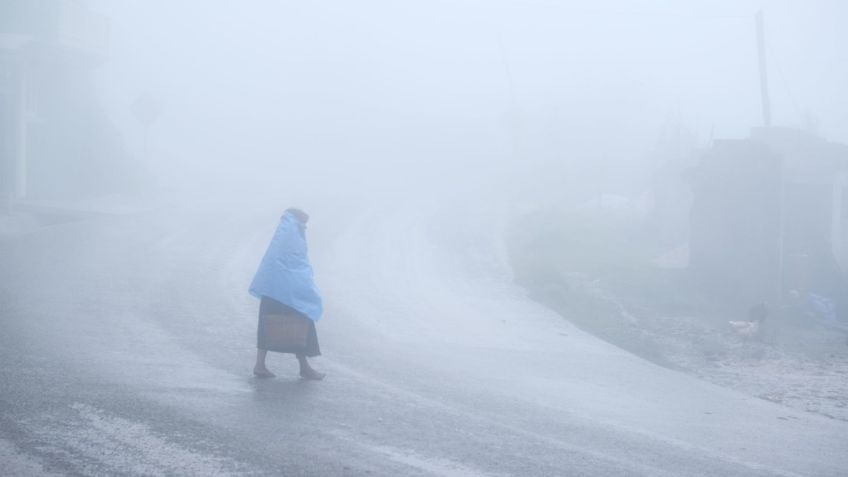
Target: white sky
(378, 86)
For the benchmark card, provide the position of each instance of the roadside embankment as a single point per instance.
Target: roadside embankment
(599, 271)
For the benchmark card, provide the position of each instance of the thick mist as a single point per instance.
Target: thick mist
(337, 94)
(464, 238)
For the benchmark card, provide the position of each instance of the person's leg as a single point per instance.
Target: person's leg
(306, 371)
(259, 369)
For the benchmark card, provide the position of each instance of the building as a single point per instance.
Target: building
(770, 215)
(44, 45)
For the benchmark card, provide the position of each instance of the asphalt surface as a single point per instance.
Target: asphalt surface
(127, 344)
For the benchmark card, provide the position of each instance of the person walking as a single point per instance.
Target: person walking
(290, 302)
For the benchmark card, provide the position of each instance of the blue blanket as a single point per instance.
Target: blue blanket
(285, 273)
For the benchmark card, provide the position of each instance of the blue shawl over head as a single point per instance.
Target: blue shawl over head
(285, 273)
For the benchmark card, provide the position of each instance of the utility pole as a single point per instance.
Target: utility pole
(512, 112)
(766, 103)
(761, 47)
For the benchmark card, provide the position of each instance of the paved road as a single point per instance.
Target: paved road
(127, 345)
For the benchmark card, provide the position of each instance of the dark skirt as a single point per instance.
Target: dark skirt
(269, 306)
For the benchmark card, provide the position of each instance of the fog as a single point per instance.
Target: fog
(601, 237)
(339, 93)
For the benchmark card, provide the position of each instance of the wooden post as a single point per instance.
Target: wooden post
(761, 47)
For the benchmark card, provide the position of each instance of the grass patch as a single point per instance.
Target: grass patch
(596, 269)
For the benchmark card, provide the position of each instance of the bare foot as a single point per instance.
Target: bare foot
(312, 375)
(263, 373)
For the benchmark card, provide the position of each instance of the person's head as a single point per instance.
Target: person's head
(301, 215)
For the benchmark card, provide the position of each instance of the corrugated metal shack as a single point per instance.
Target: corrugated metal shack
(769, 218)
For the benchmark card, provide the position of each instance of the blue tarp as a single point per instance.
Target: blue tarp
(285, 273)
